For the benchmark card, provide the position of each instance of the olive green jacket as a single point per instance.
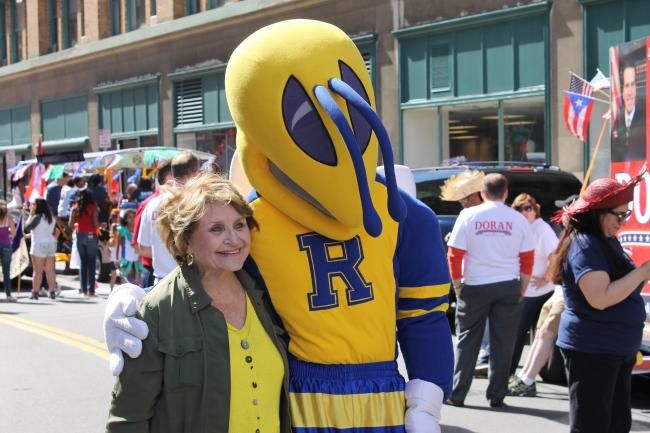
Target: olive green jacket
(181, 382)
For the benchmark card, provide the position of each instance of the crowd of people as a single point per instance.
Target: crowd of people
(582, 290)
(518, 283)
(506, 264)
(78, 217)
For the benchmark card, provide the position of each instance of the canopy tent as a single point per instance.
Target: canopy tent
(141, 157)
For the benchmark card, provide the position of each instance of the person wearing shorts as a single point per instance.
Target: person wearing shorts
(548, 324)
(42, 225)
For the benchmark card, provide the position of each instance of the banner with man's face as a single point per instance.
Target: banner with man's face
(628, 65)
(630, 140)
(630, 108)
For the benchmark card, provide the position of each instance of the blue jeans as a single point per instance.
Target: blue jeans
(5, 253)
(87, 247)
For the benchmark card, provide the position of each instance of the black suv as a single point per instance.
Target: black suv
(547, 184)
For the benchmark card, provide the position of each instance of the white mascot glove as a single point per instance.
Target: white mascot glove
(122, 331)
(423, 404)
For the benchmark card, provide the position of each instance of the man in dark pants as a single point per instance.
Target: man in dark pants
(496, 245)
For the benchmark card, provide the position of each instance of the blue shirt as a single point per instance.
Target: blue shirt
(52, 197)
(616, 330)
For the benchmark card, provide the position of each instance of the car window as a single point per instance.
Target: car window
(429, 193)
(544, 187)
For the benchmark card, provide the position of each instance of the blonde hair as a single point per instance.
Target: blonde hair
(3, 209)
(178, 215)
(522, 200)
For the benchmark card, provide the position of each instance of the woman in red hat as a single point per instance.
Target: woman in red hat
(602, 324)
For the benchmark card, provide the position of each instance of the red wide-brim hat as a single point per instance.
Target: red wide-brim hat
(605, 193)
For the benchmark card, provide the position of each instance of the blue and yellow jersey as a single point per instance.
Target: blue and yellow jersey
(340, 300)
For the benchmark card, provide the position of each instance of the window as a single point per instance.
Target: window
(116, 16)
(485, 58)
(215, 3)
(17, 18)
(53, 26)
(473, 132)
(82, 14)
(131, 111)
(506, 130)
(192, 7)
(523, 129)
(70, 23)
(136, 14)
(15, 126)
(152, 6)
(65, 118)
(3, 39)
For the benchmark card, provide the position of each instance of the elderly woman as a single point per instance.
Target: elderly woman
(601, 326)
(539, 289)
(213, 360)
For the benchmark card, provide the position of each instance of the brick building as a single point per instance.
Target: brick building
(481, 79)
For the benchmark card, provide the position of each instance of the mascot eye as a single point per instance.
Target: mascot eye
(305, 125)
(360, 126)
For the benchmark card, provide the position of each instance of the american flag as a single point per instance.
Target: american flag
(579, 86)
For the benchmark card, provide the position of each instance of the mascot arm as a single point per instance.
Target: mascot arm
(122, 331)
(422, 328)
(138, 387)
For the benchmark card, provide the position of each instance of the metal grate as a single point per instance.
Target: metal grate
(189, 102)
(367, 59)
(440, 67)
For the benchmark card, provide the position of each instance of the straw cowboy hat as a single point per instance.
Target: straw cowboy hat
(463, 184)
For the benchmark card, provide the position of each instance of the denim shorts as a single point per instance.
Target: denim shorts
(43, 249)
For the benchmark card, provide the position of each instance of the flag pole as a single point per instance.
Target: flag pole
(593, 157)
(585, 81)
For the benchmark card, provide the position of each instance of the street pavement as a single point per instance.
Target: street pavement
(55, 376)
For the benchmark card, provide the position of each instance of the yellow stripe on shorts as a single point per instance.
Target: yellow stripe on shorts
(424, 292)
(405, 314)
(318, 410)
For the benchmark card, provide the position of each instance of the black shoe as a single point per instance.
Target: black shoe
(497, 403)
(456, 403)
(34, 296)
(52, 295)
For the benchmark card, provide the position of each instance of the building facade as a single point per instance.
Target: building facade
(463, 80)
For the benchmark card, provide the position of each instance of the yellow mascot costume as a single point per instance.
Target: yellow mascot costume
(351, 263)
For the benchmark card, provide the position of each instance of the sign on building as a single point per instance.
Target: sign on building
(104, 139)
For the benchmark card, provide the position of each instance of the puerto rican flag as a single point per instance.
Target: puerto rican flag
(577, 112)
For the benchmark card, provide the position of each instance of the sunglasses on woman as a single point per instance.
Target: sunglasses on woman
(526, 208)
(622, 216)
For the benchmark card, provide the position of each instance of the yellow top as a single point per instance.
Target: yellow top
(256, 373)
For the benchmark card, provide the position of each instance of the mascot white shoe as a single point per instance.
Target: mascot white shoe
(352, 263)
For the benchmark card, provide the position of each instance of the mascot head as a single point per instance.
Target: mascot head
(308, 136)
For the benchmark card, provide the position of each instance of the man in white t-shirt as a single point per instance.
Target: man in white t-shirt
(184, 167)
(491, 253)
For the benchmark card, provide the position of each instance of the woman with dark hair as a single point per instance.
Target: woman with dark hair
(7, 232)
(86, 217)
(539, 288)
(42, 225)
(602, 324)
